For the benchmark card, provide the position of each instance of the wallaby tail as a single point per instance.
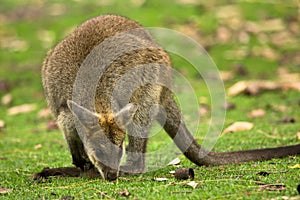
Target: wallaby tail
(184, 140)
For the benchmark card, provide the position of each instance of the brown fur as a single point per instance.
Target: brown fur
(59, 73)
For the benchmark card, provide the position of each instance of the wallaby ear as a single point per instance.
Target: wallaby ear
(86, 117)
(125, 115)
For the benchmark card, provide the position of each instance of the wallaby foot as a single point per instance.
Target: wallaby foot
(65, 172)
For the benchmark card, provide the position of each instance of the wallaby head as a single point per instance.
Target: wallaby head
(105, 134)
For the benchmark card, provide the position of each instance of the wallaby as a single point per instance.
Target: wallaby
(100, 145)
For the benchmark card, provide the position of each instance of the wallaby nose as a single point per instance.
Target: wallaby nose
(111, 176)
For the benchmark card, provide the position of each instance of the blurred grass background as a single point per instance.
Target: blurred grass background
(262, 37)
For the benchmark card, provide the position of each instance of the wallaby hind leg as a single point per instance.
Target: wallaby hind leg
(136, 149)
(66, 123)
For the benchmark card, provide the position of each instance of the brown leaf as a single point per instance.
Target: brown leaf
(124, 193)
(272, 187)
(238, 126)
(266, 52)
(57, 9)
(253, 87)
(4, 190)
(271, 25)
(4, 86)
(44, 113)
(229, 106)
(279, 108)
(67, 198)
(6, 99)
(223, 34)
(2, 124)
(292, 86)
(226, 75)
(38, 146)
(298, 135)
(203, 110)
(52, 125)
(191, 2)
(25, 108)
(257, 113)
(237, 88)
(229, 11)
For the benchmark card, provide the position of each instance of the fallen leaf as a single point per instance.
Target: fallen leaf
(185, 2)
(176, 161)
(254, 87)
(2, 124)
(4, 190)
(292, 86)
(44, 113)
(4, 86)
(124, 193)
(229, 106)
(52, 125)
(238, 54)
(266, 52)
(271, 25)
(57, 9)
(298, 135)
(297, 166)
(257, 113)
(244, 37)
(272, 187)
(223, 35)
(238, 126)
(25, 108)
(38, 146)
(237, 88)
(193, 184)
(226, 75)
(229, 11)
(160, 179)
(6, 99)
(67, 198)
(280, 108)
(203, 110)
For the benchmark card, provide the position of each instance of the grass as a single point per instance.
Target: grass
(32, 21)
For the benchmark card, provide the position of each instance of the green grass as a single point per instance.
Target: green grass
(19, 158)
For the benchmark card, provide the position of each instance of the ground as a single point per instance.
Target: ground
(247, 41)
